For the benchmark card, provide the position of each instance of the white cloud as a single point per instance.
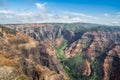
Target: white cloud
(115, 23)
(25, 14)
(43, 15)
(6, 12)
(106, 15)
(76, 19)
(66, 17)
(78, 14)
(40, 5)
(9, 16)
(118, 15)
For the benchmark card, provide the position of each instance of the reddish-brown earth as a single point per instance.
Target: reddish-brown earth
(23, 58)
(94, 45)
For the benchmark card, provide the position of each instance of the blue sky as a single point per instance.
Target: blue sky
(67, 11)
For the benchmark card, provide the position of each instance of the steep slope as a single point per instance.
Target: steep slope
(23, 58)
(86, 53)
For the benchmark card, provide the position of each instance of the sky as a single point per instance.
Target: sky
(60, 11)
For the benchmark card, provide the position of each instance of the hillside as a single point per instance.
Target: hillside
(86, 51)
(23, 58)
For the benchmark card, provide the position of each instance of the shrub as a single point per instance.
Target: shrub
(22, 77)
(8, 30)
(1, 34)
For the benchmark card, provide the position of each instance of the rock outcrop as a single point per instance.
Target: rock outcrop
(23, 58)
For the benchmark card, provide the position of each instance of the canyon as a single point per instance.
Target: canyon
(60, 51)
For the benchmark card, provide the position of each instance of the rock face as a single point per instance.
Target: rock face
(104, 48)
(40, 32)
(100, 49)
(112, 63)
(23, 58)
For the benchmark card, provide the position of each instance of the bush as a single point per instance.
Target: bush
(22, 77)
(1, 34)
(8, 30)
(73, 66)
(60, 51)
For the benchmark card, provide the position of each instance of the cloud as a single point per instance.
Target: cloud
(43, 12)
(10, 16)
(40, 5)
(6, 12)
(26, 16)
(106, 15)
(43, 15)
(78, 14)
(115, 23)
(118, 15)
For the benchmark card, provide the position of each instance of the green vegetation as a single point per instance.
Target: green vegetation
(1, 34)
(96, 71)
(8, 30)
(84, 27)
(60, 51)
(73, 27)
(74, 66)
(104, 28)
(22, 77)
